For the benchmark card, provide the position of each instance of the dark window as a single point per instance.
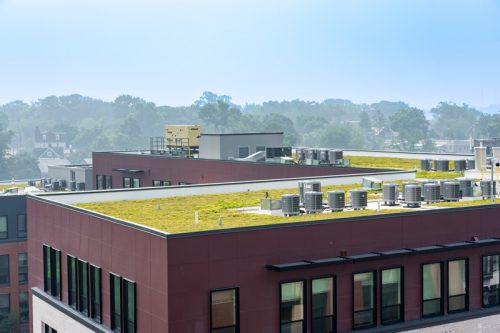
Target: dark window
(4, 269)
(157, 182)
(491, 283)
(127, 182)
(260, 148)
(129, 309)
(183, 183)
(23, 306)
(95, 293)
(458, 285)
(99, 182)
(108, 182)
(72, 175)
(116, 305)
(432, 289)
(243, 152)
(22, 229)
(136, 182)
(391, 293)
(292, 303)
(103, 182)
(364, 299)
(72, 282)
(83, 287)
(4, 229)
(322, 305)
(22, 264)
(47, 270)
(4, 304)
(48, 329)
(52, 271)
(224, 311)
(56, 261)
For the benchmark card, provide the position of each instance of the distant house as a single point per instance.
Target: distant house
(49, 144)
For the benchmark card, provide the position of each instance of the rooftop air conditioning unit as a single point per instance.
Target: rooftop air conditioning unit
(323, 155)
(466, 187)
(486, 188)
(413, 195)
(432, 192)
(451, 191)
(425, 165)
(313, 202)
(290, 204)
(391, 193)
(404, 186)
(359, 199)
(442, 165)
(336, 200)
(460, 165)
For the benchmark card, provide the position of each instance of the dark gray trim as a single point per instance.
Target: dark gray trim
(70, 312)
(408, 152)
(231, 134)
(433, 321)
(315, 263)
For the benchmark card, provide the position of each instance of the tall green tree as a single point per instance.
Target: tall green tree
(412, 127)
(452, 121)
(5, 137)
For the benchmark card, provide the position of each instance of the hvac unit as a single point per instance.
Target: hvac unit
(335, 155)
(62, 183)
(72, 185)
(359, 199)
(323, 155)
(441, 165)
(460, 165)
(308, 186)
(466, 187)
(290, 204)
(311, 154)
(80, 186)
(336, 200)
(471, 165)
(413, 195)
(432, 192)
(450, 191)
(300, 154)
(404, 186)
(313, 202)
(55, 186)
(486, 188)
(391, 193)
(425, 165)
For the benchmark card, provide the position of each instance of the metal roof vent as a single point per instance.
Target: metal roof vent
(359, 199)
(404, 186)
(306, 186)
(290, 204)
(413, 195)
(451, 191)
(460, 165)
(425, 165)
(442, 165)
(336, 200)
(323, 155)
(335, 155)
(432, 192)
(313, 202)
(466, 185)
(486, 188)
(391, 193)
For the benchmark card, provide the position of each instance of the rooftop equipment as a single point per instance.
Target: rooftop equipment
(432, 192)
(486, 188)
(413, 195)
(80, 186)
(323, 156)
(391, 193)
(290, 204)
(336, 200)
(479, 157)
(359, 199)
(460, 165)
(495, 151)
(72, 185)
(306, 186)
(403, 188)
(451, 191)
(336, 155)
(300, 154)
(442, 165)
(470, 164)
(466, 187)
(183, 135)
(372, 183)
(311, 154)
(425, 165)
(313, 202)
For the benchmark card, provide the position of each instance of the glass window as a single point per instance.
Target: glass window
(243, 152)
(127, 182)
(157, 183)
(108, 182)
(56, 269)
(129, 306)
(391, 295)
(322, 305)
(4, 269)
(136, 183)
(22, 264)
(95, 293)
(22, 229)
(4, 304)
(72, 282)
(100, 182)
(3, 227)
(23, 306)
(48, 329)
(458, 298)
(83, 287)
(72, 175)
(224, 311)
(432, 280)
(47, 271)
(364, 299)
(116, 297)
(292, 307)
(491, 283)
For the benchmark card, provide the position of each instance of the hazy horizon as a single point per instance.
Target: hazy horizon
(420, 53)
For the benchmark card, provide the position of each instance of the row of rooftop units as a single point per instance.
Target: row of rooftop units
(413, 194)
(444, 165)
(317, 156)
(51, 184)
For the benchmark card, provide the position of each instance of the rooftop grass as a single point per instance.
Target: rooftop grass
(3, 187)
(177, 214)
(453, 204)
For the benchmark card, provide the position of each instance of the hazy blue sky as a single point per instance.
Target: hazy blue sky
(169, 52)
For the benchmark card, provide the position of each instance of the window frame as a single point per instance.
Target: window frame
(402, 304)
(304, 297)
(7, 283)
(441, 306)
(334, 301)
(9, 301)
(374, 295)
(237, 310)
(25, 310)
(24, 233)
(125, 305)
(19, 268)
(483, 305)
(80, 293)
(467, 290)
(112, 292)
(6, 232)
(96, 316)
(72, 299)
